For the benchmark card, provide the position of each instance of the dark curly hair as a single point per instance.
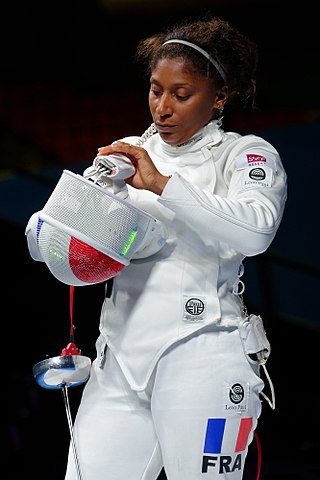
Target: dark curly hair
(233, 51)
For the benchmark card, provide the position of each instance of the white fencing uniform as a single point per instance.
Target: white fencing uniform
(171, 385)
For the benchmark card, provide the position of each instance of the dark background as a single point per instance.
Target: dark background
(68, 84)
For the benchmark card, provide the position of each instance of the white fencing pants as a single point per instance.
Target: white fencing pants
(196, 417)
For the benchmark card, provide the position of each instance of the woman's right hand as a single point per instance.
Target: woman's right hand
(146, 176)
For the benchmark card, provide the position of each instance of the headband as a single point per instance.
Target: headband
(203, 52)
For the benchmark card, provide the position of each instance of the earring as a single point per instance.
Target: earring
(220, 116)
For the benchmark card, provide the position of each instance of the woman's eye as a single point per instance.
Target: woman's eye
(182, 98)
(156, 93)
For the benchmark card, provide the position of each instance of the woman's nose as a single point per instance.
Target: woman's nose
(164, 106)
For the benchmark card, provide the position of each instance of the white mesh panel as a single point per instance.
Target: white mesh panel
(97, 217)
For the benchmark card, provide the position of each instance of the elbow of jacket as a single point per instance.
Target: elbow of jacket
(257, 245)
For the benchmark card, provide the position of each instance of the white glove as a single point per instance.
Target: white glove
(154, 242)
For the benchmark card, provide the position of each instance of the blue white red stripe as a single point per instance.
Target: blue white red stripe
(227, 435)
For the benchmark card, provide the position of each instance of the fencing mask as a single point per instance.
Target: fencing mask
(85, 234)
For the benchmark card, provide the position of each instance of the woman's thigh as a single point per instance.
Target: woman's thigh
(205, 407)
(114, 430)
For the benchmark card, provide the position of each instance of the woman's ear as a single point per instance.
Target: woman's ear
(221, 97)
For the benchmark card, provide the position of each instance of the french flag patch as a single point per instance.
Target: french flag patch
(227, 435)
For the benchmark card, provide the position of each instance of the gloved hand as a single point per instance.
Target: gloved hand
(154, 241)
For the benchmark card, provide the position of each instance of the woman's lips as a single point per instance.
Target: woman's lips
(164, 127)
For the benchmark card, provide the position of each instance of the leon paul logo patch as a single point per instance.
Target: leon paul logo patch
(257, 177)
(236, 397)
(257, 174)
(236, 393)
(194, 309)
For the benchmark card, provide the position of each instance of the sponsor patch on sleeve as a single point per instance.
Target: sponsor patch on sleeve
(257, 177)
(249, 160)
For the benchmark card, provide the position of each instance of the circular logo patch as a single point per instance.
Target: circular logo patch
(194, 306)
(257, 174)
(236, 393)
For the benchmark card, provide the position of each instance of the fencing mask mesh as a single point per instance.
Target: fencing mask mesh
(85, 234)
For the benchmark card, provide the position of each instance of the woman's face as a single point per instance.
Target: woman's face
(180, 102)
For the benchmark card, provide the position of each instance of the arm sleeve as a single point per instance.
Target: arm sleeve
(247, 218)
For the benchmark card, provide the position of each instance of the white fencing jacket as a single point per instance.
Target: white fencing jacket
(224, 201)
